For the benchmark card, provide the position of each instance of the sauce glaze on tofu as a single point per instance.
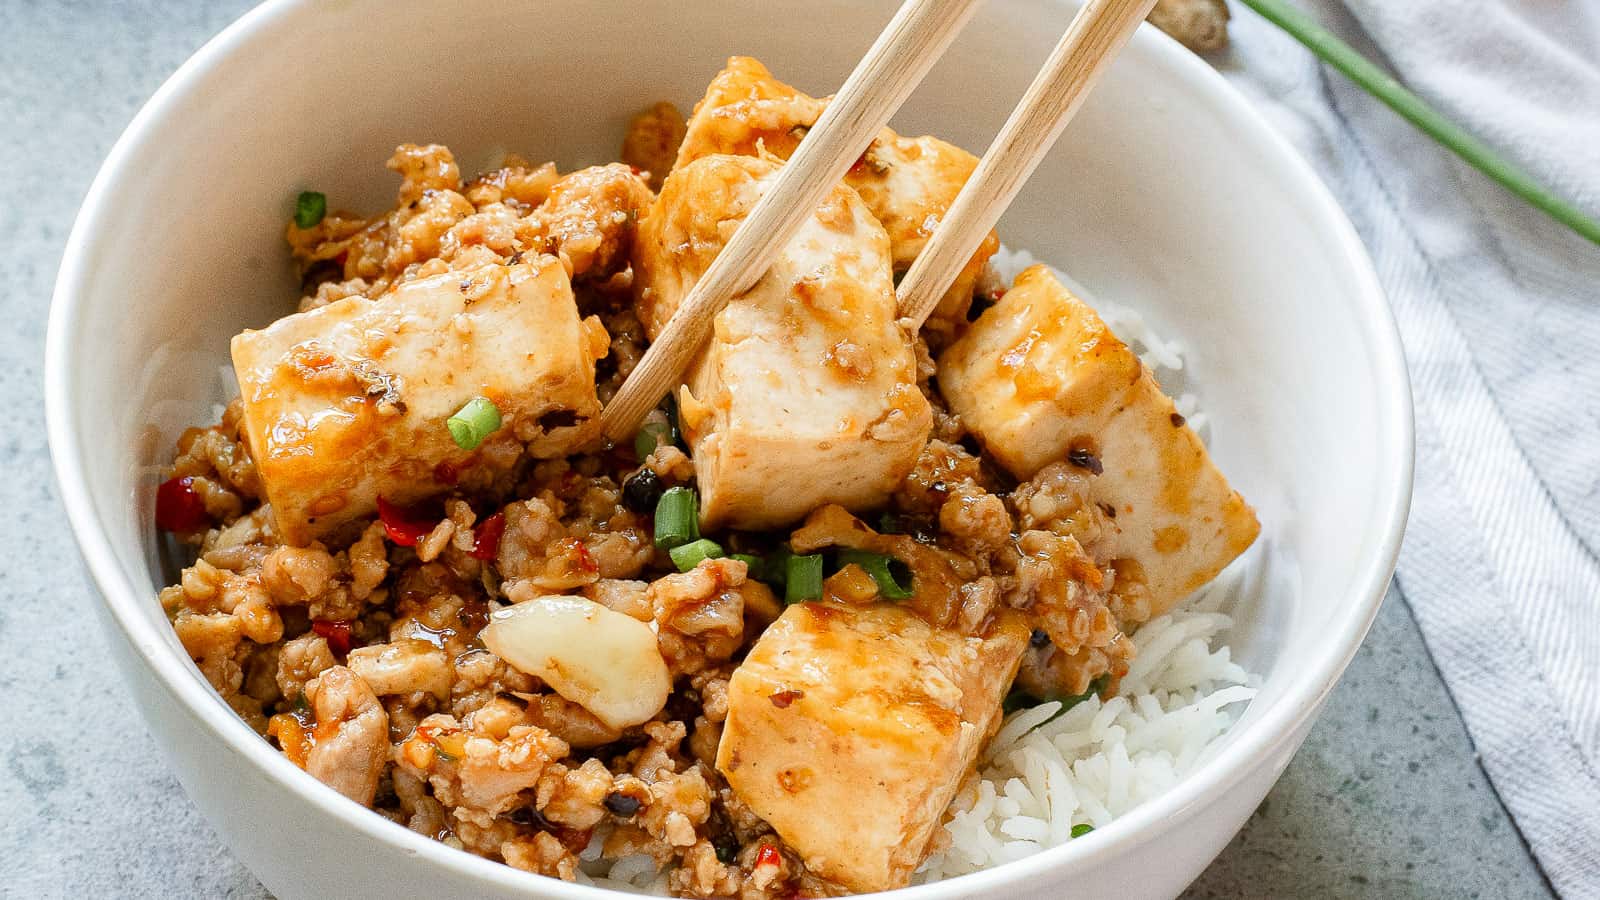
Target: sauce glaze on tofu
(343, 403)
(908, 183)
(806, 373)
(851, 727)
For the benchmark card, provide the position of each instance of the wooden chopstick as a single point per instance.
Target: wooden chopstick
(907, 48)
(1093, 39)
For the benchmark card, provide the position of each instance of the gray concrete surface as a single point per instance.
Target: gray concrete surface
(1385, 800)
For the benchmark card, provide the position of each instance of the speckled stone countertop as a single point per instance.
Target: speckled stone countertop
(1385, 800)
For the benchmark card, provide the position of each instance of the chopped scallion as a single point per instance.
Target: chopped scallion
(689, 555)
(651, 435)
(677, 519)
(309, 209)
(802, 578)
(881, 567)
(756, 565)
(777, 568)
(474, 422)
(1081, 829)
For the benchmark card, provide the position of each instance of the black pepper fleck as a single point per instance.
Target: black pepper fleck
(621, 804)
(1083, 459)
(641, 491)
(527, 815)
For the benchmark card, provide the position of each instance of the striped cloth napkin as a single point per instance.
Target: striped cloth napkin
(1499, 309)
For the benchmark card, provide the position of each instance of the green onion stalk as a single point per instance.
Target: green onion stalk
(802, 578)
(880, 566)
(677, 519)
(687, 556)
(1415, 110)
(756, 566)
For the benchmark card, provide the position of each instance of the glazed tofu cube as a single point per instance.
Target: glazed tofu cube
(908, 183)
(806, 393)
(850, 729)
(1039, 377)
(349, 401)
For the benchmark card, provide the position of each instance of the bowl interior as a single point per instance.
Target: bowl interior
(1165, 195)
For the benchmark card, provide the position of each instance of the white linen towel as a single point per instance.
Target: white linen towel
(1499, 309)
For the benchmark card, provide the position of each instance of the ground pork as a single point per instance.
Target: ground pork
(351, 746)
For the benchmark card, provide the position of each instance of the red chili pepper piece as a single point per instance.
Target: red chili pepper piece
(486, 537)
(404, 525)
(768, 856)
(179, 507)
(337, 634)
(785, 699)
(586, 562)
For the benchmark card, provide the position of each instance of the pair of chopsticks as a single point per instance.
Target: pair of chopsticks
(914, 39)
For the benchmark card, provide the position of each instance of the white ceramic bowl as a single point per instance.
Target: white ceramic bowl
(1168, 193)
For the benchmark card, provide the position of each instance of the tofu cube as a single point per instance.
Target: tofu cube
(1039, 376)
(806, 393)
(349, 401)
(907, 182)
(850, 729)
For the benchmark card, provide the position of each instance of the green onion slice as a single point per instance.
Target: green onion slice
(677, 520)
(777, 568)
(309, 209)
(881, 567)
(802, 578)
(474, 422)
(689, 555)
(1081, 829)
(756, 565)
(651, 435)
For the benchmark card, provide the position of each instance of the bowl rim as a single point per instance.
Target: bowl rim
(1254, 746)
